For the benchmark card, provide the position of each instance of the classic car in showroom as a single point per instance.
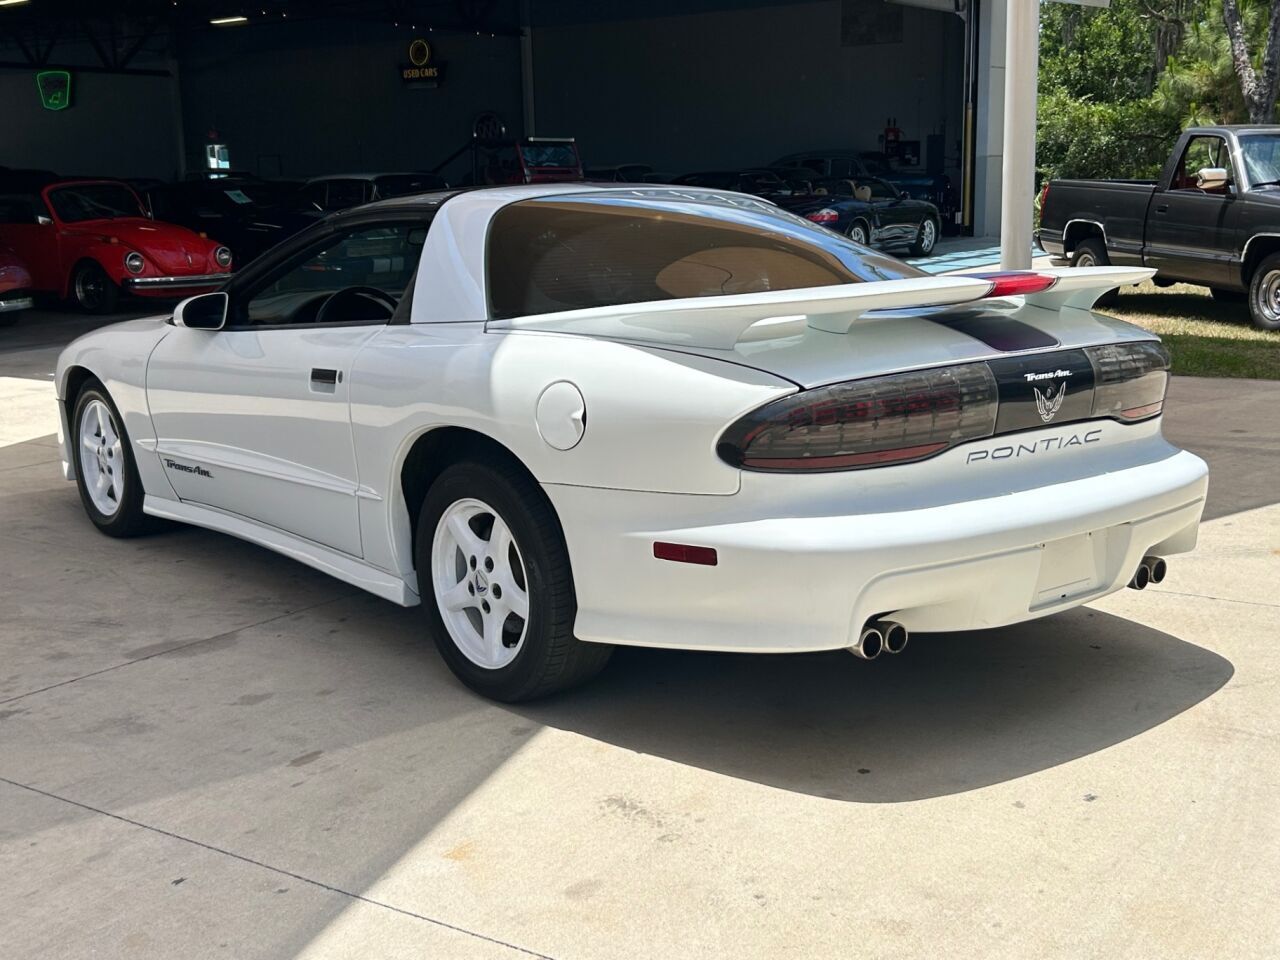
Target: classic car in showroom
(565, 416)
(860, 165)
(245, 213)
(15, 286)
(91, 241)
(871, 212)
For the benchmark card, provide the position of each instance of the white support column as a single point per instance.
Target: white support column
(1021, 64)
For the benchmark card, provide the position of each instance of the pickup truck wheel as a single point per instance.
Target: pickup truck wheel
(1264, 294)
(92, 290)
(1093, 253)
(496, 584)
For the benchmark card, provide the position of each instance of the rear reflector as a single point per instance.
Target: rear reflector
(684, 553)
(1012, 283)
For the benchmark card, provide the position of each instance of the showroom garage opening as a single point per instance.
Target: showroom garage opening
(288, 90)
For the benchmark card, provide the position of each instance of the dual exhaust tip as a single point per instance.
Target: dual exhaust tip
(1150, 570)
(880, 636)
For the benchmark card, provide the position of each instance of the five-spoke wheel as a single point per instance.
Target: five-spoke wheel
(496, 585)
(106, 474)
(480, 583)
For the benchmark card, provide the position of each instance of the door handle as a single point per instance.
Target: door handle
(1163, 208)
(325, 375)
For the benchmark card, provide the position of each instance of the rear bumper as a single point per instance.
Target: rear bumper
(1050, 242)
(798, 575)
(174, 286)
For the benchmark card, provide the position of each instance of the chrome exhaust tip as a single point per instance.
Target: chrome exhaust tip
(870, 643)
(1141, 577)
(1157, 568)
(895, 635)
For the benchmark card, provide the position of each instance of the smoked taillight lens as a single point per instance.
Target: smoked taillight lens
(1129, 380)
(866, 423)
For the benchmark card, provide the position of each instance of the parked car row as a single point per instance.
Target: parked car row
(92, 240)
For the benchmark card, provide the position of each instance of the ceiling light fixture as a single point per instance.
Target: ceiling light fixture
(228, 21)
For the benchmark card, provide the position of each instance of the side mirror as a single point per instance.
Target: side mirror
(208, 311)
(43, 220)
(1211, 178)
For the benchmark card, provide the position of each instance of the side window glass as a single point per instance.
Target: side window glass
(357, 277)
(1201, 152)
(841, 167)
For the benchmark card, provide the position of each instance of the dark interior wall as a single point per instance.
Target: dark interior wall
(741, 86)
(315, 98)
(116, 126)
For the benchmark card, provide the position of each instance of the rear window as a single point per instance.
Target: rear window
(546, 256)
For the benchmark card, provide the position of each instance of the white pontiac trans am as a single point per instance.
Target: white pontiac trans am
(564, 417)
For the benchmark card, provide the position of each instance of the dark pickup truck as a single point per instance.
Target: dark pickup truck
(1213, 218)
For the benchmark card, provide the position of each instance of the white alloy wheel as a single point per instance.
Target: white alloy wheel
(480, 583)
(858, 234)
(1086, 259)
(101, 458)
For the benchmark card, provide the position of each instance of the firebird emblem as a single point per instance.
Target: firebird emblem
(1047, 403)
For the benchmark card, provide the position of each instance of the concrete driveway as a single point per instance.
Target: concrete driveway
(208, 750)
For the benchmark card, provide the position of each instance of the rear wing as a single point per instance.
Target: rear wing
(723, 322)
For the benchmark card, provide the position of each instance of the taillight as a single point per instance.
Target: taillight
(1012, 283)
(1130, 380)
(825, 215)
(1044, 194)
(866, 423)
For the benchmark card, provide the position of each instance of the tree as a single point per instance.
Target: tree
(1257, 86)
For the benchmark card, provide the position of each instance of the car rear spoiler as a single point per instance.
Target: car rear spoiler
(723, 322)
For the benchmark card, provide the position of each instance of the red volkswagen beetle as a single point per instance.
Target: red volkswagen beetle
(90, 241)
(15, 286)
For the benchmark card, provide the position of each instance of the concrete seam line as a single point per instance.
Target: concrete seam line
(280, 870)
(1206, 596)
(161, 653)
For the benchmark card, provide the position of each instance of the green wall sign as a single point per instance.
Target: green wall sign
(55, 89)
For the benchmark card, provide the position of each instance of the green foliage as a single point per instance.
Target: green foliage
(1199, 85)
(1118, 84)
(1085, 138)
(1097, 54)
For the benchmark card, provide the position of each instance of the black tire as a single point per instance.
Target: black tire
(1264, 294)
(550, 658)
(1093, 253)
(923, 244)
(1223, 295)
(127, 520)
(866, 232)
(92, 290)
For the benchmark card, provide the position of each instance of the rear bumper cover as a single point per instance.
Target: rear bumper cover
(802, 576)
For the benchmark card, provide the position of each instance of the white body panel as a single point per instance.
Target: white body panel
(951, 543)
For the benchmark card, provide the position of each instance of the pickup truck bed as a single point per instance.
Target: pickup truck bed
(1221, 231)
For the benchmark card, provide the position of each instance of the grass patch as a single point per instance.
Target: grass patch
(1207, 337)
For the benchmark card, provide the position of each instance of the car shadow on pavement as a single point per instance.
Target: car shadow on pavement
(953, 713)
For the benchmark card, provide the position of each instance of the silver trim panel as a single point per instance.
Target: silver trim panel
(16, 303)
(192, 281)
